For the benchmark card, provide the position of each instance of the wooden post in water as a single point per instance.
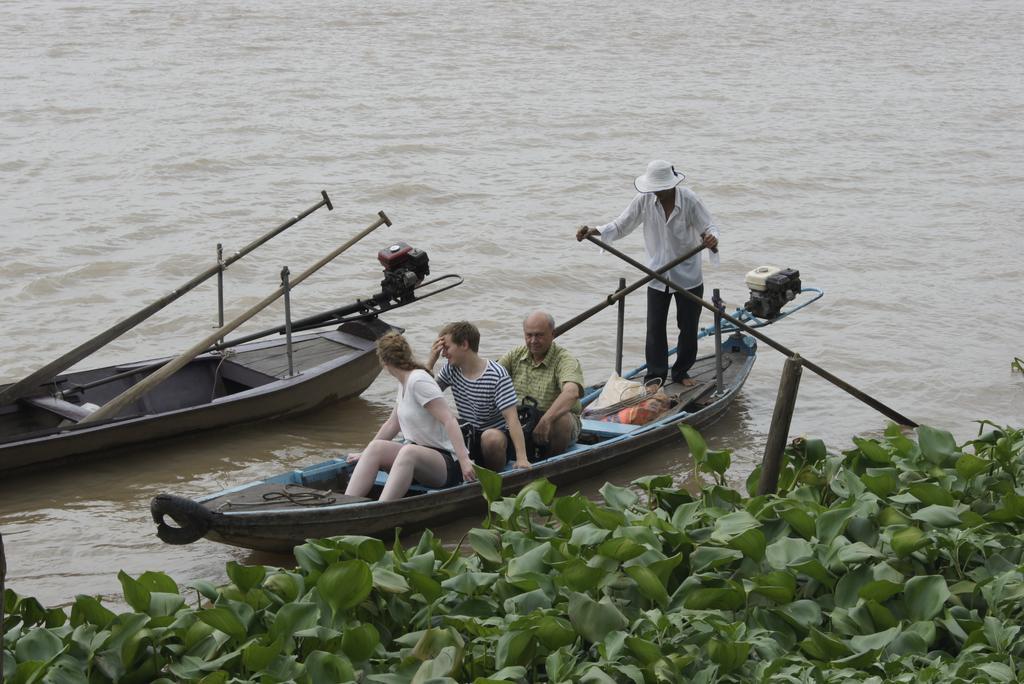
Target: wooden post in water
(619, 328)
(778, 433)
(288, 319)
(3, 577)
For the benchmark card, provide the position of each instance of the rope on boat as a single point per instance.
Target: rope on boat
(303, 498)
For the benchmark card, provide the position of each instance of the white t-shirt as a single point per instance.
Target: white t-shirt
(667, 239)
(414, 420)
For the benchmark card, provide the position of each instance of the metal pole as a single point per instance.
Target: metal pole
(220, 287)
(616, 296)
(716, 299)
(112, 407)
(778, 433)
(838, 382)
(30, 383)
(288, 320)
(619, 328)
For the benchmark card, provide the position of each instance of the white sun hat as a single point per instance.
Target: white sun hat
(660, 176)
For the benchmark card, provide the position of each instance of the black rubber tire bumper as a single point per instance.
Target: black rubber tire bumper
(192, 519)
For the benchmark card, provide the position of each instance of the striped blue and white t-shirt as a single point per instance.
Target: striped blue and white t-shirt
(481, 401)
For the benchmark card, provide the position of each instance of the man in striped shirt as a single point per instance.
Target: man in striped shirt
(484, 396)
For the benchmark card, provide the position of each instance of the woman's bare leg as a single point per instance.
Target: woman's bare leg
(421, 463)
(379, 454)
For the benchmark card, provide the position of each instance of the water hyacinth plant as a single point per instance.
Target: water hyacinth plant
(896, 560)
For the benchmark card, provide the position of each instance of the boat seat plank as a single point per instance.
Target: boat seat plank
(606, 429)
(62, 408)
(306, 354)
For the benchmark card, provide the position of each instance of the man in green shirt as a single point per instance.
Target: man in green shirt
(547, 372)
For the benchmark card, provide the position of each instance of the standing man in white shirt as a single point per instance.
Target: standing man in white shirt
(674, 221)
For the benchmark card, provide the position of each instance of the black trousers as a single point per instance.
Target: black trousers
(688, 320)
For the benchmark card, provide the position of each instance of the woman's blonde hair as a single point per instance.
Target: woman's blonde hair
(394, 350)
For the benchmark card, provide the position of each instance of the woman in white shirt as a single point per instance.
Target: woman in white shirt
(435, 454)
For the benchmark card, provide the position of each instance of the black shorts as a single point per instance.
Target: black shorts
(476, 453)
(454, 472)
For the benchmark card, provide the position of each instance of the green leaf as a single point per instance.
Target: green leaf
(88, 609)
(830, 524)
(804, 614)
(620, 549)
(752, 544)
(788, 551)
(800, 521)
(857, 552)
(732, 525)
(695, 442)
(470, 583)
(158, 581)
(135, 594)
(929, 493)
(881, 481)
(514, 647)
(579, 576)
(969, 466)
(907, 540)
(224, 620)
(711, 557)
(346, 584)
(875, 641)
(486, 544)
(717, 598)
(533, 560)
(588, 534)
(593, 620)
(619, 498)
(873, 450)
(257, 656)
(779, 586)
(490, 482)
(938, 516)
(555, 632)
(38, 644)
(925, 596)
(294, 617)
(425, 585)
(650, 586)
(328, 667)
(728, 655)
(938, 446)
(359, 642)
(570, 510)
(245, 577)
(880, 591)
(719, 461)
(388, 581)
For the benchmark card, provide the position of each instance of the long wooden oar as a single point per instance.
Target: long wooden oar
(841, 384)
(613, 298)
(3, 578)
(31, 382)
(112, 407)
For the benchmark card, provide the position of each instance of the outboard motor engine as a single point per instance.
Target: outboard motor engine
(405, 267)
(770, 289)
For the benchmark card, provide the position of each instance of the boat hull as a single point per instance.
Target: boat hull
(280, 530)
(345, 375)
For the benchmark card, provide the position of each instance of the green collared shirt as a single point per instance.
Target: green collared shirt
(543, 381)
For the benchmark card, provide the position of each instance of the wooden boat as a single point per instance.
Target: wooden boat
(244, 383)
(278, 513)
